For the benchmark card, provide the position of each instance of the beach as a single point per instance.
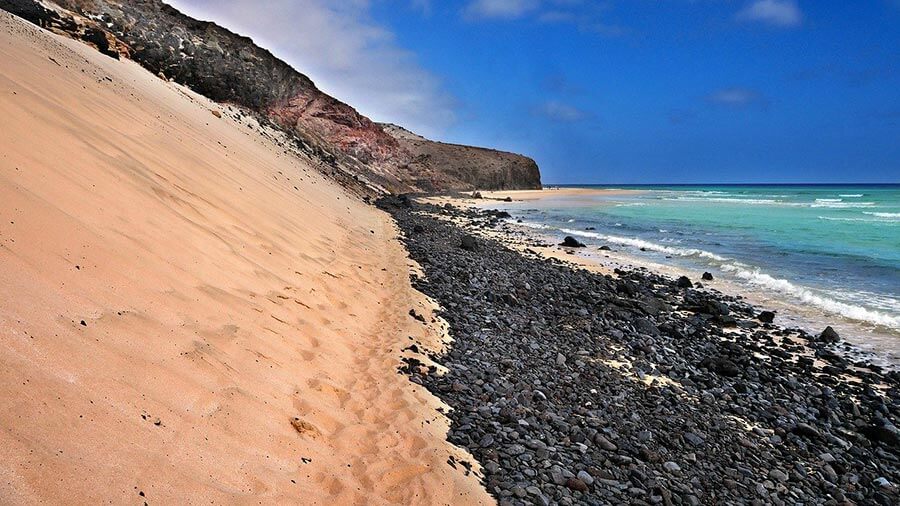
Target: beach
(192, 312)
(572, 386)
(199, 307)
(816, 254)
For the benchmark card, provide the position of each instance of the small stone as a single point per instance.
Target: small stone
(778, 475)
(707, 276)
(560, 359)
(468, 243)
(604, 443)
(577, 485)
(766, 317)
(672, 467)
(883, 482)
(693, 439)
(585, 477)
(806, 430)
(684, 282)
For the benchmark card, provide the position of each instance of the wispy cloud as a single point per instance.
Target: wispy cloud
(500, 9)
(345, 52)
(738, 97)
(778, 13)
(561, 112)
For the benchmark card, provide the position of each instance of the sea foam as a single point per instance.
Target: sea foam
(754, 276)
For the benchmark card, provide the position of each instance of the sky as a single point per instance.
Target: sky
(612, 91)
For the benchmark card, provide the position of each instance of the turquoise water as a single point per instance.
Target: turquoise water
(834, 249)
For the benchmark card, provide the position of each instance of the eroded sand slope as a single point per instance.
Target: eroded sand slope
(224, 288)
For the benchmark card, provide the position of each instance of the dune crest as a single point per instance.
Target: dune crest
(189, 312)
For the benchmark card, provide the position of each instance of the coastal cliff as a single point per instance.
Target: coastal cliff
(230, 68)
(438, 165)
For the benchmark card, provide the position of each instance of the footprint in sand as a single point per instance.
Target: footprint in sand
(305, 428)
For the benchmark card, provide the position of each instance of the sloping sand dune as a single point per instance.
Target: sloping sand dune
(175, 289)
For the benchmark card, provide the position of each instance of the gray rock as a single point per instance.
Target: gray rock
(585, 477)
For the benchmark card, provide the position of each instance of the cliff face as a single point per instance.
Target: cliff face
(229, 68)
(437, 165)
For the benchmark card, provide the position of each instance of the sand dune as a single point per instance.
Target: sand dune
(188, 313)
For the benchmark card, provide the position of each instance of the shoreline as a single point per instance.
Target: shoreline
(873, 339)
(573, 386)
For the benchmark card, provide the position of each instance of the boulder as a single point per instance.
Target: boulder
(468, 243)
(707, 276)
(571, 242)
(766, 317)
(829, 335)
(684, 282)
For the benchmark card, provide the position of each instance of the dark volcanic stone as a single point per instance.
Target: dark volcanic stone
(720, 365)
(829, 335)
(571, 242)
(881, 434)
(468, 243)
(553, 380)
(577, 485)
(707, 276)
(684, 282)
(766, 316)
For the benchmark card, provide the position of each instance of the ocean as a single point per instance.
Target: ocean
(823, 254)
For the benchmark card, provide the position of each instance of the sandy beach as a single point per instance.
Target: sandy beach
(191, 313)
(551, 192)
(200, 307)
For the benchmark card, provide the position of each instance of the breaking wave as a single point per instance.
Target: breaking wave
(754, 276)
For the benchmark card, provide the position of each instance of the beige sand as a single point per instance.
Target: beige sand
(549, 193)
(225, 288)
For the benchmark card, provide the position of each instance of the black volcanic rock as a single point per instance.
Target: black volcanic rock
(684, 282)
(571, 242)
(829, 335)
(553, 380)
(766, 316)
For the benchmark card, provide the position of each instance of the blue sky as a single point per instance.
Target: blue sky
(618, 91)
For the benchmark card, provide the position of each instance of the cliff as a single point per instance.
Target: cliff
(230, 68)
(437, 165)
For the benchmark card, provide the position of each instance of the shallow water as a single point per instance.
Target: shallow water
(831, 251)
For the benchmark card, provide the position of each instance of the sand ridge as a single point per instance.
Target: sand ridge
(188, 313)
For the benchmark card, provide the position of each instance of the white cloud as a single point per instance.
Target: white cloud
(347, 55)
(559, 111)
(780, 13)
(499, 9)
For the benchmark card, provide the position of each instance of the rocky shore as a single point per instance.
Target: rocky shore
(571, 387)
